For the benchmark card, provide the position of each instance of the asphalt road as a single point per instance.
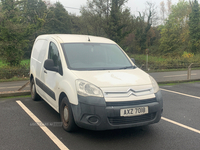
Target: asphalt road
(174, 75)
(178, 129)
(159, 77)
(13, 86)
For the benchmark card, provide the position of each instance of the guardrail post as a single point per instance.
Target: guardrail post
(189, 71)
(141, 66)
(147, 62)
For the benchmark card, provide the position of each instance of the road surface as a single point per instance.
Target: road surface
(178, 129)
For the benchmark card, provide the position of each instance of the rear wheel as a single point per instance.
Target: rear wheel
(34, 94)
(67, 117)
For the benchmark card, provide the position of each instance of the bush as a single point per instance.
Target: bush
(7, 72)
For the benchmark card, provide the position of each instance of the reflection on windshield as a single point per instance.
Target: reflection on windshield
(94, 56)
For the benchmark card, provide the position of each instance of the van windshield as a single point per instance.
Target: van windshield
(95, 56)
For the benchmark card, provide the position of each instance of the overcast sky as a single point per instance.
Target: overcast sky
(134, 5)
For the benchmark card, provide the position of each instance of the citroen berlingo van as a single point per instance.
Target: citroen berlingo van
(92, 83)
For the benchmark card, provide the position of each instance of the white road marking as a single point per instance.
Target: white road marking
(181, 93)
(43, 127)
(179, 75)
(176, 123)
(181, 125)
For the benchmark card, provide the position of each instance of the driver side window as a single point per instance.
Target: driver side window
(54, 55)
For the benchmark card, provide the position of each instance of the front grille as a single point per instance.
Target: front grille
(130, 120)
(128, 103)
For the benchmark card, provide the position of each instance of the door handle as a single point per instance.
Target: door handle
(45, 71)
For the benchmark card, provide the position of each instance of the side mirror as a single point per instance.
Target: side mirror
(49, 65)
(133, 60)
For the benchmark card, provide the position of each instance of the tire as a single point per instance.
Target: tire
(34, 94)
(66, 116)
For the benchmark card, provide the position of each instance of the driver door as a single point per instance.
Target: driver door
(52, 78)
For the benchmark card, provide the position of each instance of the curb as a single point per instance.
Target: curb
(14, 93)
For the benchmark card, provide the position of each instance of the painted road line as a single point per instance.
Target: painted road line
(181, 125)
(179, 75)
(43, 127)
(181, 93)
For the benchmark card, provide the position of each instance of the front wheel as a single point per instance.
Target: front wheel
(67, 117)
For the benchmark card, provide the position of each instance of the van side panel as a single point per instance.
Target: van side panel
(38, 56)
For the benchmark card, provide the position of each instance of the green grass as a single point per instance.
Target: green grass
(25, 62)
(168, 84)
(2, 64)
(150, 57)
(26, 96)
(16, 73)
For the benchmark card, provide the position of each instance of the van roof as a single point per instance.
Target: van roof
(75, 38)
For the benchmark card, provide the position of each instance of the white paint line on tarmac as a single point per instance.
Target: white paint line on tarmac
(181, 75)
(176, 123)
(43, 127)
(181, 125)
(181, 94)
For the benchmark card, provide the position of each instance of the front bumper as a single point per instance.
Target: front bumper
(95, 114)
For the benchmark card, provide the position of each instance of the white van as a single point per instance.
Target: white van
(92, 83)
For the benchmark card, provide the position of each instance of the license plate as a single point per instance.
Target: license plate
(134, 111)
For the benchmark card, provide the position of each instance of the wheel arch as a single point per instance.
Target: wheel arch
(62, 95)
(31, 77)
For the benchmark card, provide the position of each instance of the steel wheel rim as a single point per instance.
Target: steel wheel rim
(66, 115)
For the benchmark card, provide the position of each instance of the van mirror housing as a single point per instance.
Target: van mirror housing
(49, 65)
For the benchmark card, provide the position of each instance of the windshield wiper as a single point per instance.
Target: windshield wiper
(128, 67)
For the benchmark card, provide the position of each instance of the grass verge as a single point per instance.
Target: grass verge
(15, 97)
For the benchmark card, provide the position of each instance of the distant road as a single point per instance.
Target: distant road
(13, 86)
(174, 75)
(159, 77)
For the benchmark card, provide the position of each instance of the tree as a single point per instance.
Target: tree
(175, 32)
(194, 27)
(45, 18)
(95, 10)
(58, 20)
(117, 23)
(34, 14)
(144, 27)
(77, 24)
(111, 19)
(163, 11)
(169, 5)
(12, 31)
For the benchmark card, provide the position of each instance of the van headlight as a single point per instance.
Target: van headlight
(154, 84)
(85, 88)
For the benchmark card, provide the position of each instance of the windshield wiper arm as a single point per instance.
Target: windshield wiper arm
(128, 67)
